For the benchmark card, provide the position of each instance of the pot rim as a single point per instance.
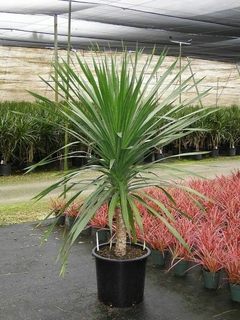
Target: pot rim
(148, 251)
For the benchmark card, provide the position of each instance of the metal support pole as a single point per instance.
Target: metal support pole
(56, 55)
(180, 77)
(180, 69)
(200, 100)
(65, 164)
(69, 30)
(180, 94)
(238, 69)
(217, 91)
(180, 61)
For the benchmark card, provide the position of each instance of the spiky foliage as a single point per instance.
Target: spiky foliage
(118, 108)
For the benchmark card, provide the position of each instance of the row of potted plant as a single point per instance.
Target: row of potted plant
(210, 227)
(66, 215)
(221, 133)
(23, 138)
(212, 234)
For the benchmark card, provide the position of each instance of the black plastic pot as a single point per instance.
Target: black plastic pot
(158, 156)
(231, 152)
(175, 150)
(148, 158)
(120, 283)
(87, 231)
(27, 165)
(214, 153)
(77, 161)
(103, 235)
(197, 157)
(60, 220)
(5, 169)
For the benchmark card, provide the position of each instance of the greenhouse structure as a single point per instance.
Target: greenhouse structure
(205, 34)
(112, 115)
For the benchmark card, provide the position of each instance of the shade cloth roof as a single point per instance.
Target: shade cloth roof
(206, 29)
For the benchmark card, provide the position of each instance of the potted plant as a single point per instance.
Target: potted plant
(232, 131)
(111, 105)
(231, 262)
(51, 135)
(30, 136)
(71, 216)
(180, 255)
(158, 237)
(158, 154)
(197, 137)
(71, 212)
(208, 252)
(215, 125)
(9, 137)
(100, 223)
(57, 207)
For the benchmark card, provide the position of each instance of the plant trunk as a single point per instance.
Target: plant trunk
(120, 248)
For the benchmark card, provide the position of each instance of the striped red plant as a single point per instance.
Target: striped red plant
(231, 260)
(100, 219)
(156, 233)
(58, 205)
(209, 246)
(72, 210)
(187, 229)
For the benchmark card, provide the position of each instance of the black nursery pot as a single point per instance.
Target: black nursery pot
(5, 169)
(231, 152)
(120, 283)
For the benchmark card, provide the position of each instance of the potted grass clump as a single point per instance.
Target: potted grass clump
(116, 103)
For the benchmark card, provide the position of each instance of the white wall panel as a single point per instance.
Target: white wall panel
(20, 69)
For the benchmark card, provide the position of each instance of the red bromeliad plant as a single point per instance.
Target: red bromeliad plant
(73, 209)
(209, 246)
(100, 219)
(208, 188)
(58, 205)
(156, 233)
(187, 230)
(231, 261)
(231, 252)
(213, 235)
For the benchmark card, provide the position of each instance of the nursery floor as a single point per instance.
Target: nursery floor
(31, 288)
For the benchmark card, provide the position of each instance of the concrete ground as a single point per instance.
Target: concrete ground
(31, 288)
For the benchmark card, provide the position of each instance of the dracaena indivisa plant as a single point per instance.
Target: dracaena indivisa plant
(122, 105)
